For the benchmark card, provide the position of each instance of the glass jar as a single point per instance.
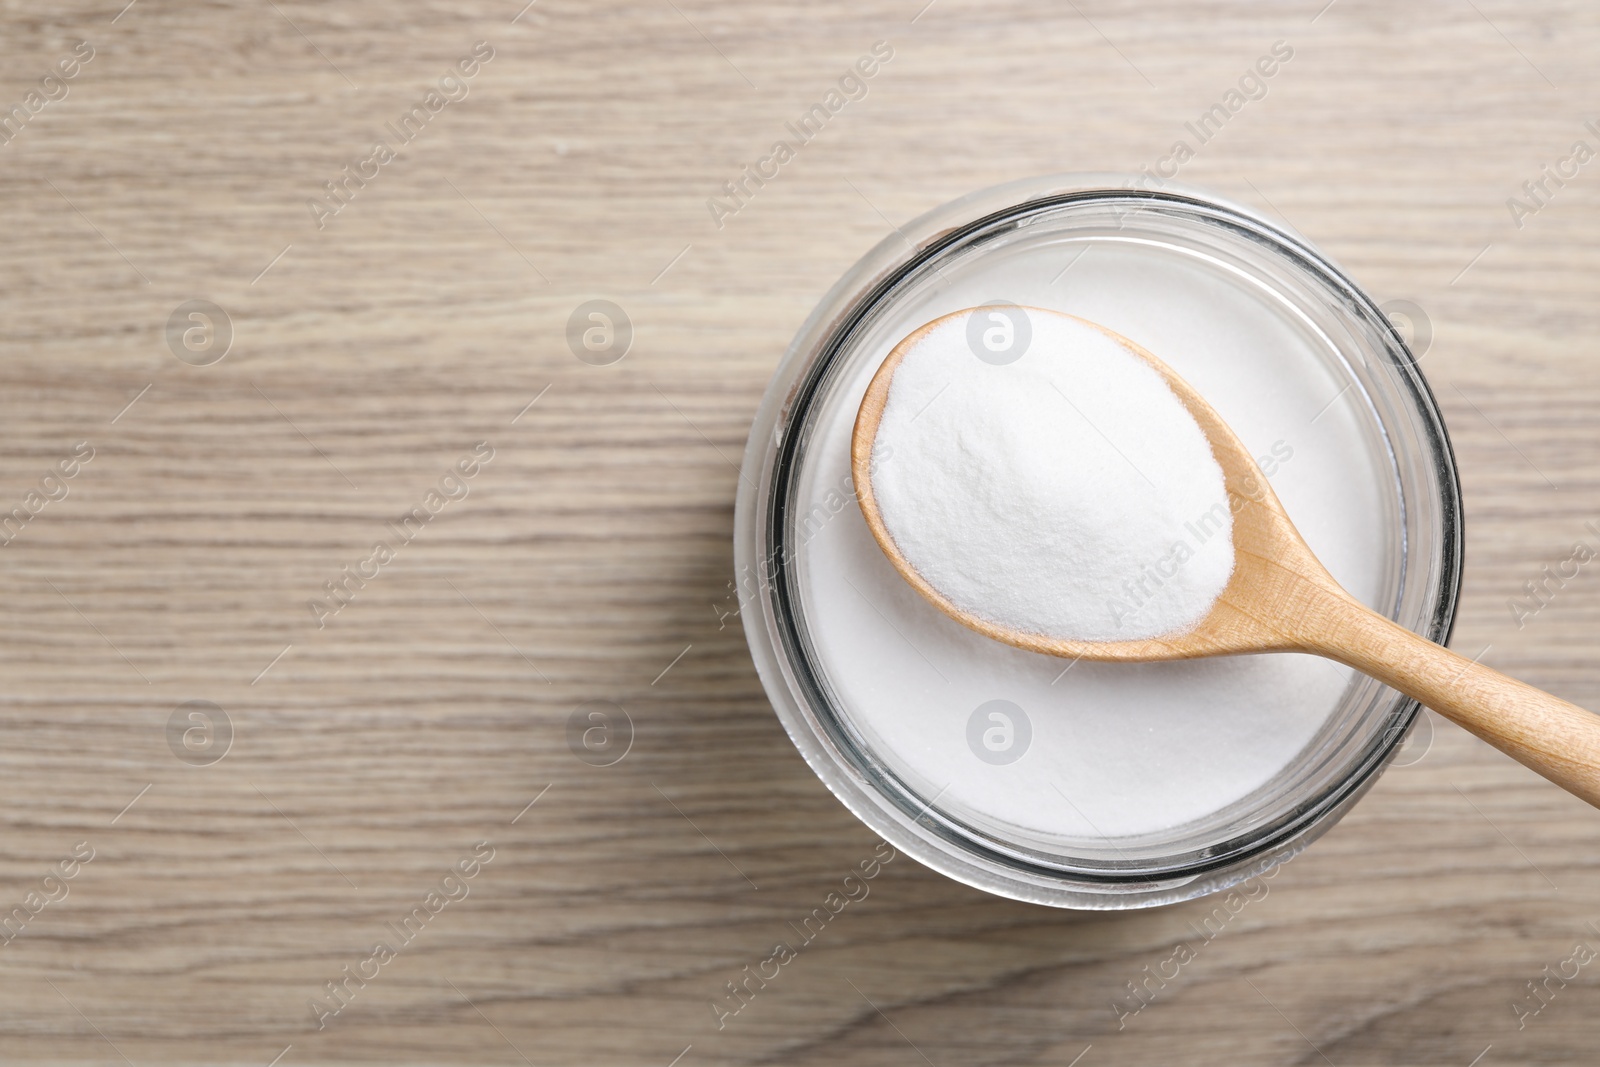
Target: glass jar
(1126, 786)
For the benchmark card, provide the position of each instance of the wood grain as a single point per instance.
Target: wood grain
(590, 558)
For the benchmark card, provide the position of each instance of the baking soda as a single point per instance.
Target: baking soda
(1105, 756)
(1057, 490)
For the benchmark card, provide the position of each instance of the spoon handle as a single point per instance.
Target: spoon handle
(1560, 741)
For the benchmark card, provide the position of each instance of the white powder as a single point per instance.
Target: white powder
(1115, 754)
(1066, 492)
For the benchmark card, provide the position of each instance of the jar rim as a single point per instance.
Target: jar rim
(873, 792)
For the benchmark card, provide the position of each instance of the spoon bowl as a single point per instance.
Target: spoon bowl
(1279, 598)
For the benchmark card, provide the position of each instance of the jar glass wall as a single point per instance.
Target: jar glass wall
(1110, 786)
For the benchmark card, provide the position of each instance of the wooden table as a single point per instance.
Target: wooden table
(366, 752)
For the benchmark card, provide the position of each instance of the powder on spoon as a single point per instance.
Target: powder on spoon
(1066, 492)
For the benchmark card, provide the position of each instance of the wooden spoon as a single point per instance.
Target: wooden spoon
(1281, 599)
